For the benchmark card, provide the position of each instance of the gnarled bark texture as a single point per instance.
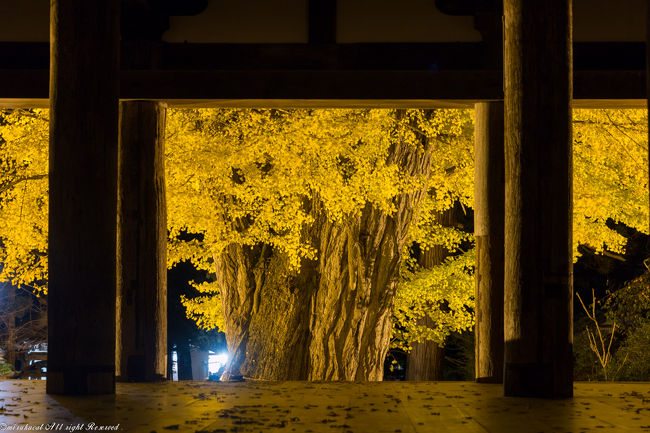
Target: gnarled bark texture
(331, 321)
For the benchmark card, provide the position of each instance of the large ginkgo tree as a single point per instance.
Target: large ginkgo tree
(307, 222)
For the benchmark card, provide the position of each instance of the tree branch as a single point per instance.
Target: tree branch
(15, 182)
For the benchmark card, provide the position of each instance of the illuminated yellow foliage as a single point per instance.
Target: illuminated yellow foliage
(610, 175)
(23, 198)
(260, 166)
(206, 310)
(445, 293)
(242, 176)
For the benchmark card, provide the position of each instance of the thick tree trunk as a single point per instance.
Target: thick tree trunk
(489, 210)
(10, 347)
(332, 321)
(83, 196)
(266, 313)
(425, 360)
(141, 346)
(538, 222)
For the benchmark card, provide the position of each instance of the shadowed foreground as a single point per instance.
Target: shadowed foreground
(325, 407)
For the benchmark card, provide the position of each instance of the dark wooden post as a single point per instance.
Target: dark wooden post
(489, 184)
(647, 64)
(141, 351)
(84, 49)
(538, 221)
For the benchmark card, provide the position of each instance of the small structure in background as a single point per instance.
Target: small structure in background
(36, 365)
(31, 363)
(206, 364)
(174, 374)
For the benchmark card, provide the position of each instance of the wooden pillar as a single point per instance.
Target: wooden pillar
(647, 63)
(141, 351)
(538, 217)
(489, 184)
(84, 46)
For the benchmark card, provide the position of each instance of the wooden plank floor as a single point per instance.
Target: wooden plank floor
(395, 407)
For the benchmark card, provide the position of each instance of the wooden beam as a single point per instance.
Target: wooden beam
(338, 103)
(218, 85)
(452, 56)
(372, 56)
(310, 84)
(439, 71)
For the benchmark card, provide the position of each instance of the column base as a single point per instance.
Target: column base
(82, 380)
(489, 379)
(534, 380)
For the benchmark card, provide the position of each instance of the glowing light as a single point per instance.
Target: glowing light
(215, 362)
(174, 366)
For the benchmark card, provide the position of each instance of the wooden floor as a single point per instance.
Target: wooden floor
(324, 407)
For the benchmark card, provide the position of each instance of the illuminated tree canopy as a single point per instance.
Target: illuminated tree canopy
(23, 197)
(255, 168)
(610, 164)
(262, 167)
(247, 178)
